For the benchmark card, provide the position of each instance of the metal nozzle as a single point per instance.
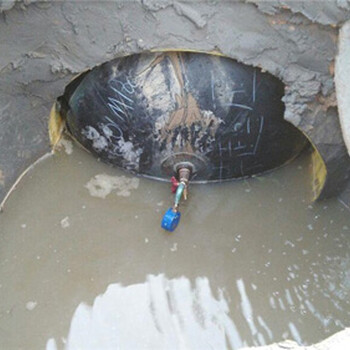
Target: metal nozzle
(184, 175)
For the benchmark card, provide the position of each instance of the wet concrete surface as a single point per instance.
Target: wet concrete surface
(281, 264)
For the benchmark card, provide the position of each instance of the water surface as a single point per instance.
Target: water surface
(281, 264)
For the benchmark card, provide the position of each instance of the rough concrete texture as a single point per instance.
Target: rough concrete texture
(322, 12)
(342, 77)
(6, 5)
(44, 44)
(339, 341)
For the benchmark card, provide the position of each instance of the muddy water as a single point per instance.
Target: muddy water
(277, 266)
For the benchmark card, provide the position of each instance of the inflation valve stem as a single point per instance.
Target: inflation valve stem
(180, 187)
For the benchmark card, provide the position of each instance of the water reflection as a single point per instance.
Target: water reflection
(160, 313)
(164, 313)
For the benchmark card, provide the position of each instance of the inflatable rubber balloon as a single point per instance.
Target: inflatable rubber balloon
(147, 113)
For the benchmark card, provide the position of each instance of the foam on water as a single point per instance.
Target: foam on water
(102, 185)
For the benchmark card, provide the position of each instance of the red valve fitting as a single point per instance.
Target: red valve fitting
(174, 184)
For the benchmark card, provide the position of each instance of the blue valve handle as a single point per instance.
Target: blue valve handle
(171, 219)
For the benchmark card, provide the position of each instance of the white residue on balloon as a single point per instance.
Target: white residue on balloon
(130, 153)
(99, 142)
(102, 185)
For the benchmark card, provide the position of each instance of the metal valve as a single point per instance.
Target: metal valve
(172, 217)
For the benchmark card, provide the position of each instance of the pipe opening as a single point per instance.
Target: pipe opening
(148, 112)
